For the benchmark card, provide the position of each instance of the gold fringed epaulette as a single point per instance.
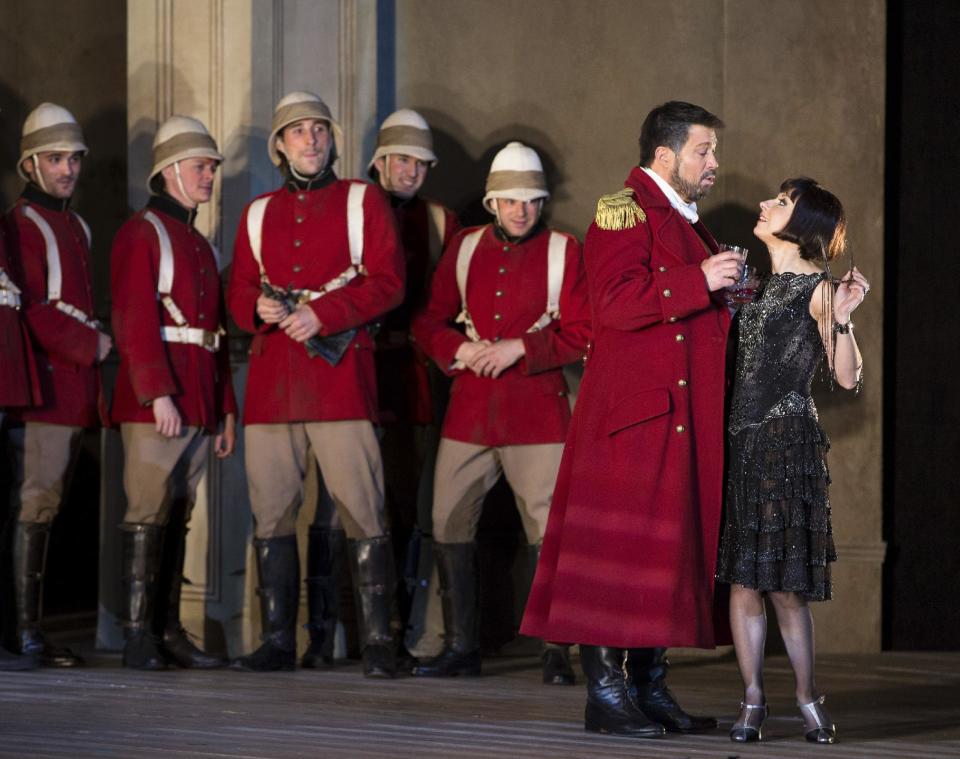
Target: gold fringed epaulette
(619, 211)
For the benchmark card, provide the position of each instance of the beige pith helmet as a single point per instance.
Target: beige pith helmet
(405, 132)
(516, 173)
(177, 138)
(297, 106)
(49, 128)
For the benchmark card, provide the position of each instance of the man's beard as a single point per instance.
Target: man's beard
(690, 191)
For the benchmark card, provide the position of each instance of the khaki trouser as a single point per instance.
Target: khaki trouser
(350, 465)
(466, 473)
(157, 471)
(41, 454)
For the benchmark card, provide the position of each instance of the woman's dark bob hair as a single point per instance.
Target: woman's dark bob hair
(818, 225)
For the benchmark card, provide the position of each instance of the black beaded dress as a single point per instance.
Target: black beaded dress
(777, 534)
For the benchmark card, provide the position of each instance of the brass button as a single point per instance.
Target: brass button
(663, 268)
(297, 268)
(203, 316)
(502, 270)
(682, 382)
(679, 338)
(499, 293)
(672, 319)
(297, 243)
(497, 317)
(299, 220)
(681, 428)
(301, 196)
(667, 293)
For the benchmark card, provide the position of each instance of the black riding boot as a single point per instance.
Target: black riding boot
(177, 646)
(374, 586)
(555, 657)
(29, 561)
(647, 669)
(610, 709)
(457, 573)
(141, 547)
(324, 558)
(278, 568)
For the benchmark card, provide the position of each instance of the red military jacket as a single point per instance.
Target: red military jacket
(197, 379)
(65, 349)
(19, 384)
(304, 246)
(506, 294)
(630, 549)
(403, 380)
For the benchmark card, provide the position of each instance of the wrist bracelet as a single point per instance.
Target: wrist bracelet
(843, 329)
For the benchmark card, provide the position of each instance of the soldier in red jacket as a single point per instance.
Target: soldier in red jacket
(315, 262)
(51, 244)
(628, 559)
(18, 385)
(173, 391)
(411, 390)
(519, 290)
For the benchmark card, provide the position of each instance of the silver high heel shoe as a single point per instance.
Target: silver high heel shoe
(749, 725)
(817, 725)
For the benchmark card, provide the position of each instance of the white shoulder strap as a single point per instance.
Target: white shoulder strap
(556, 260)
(436, 230)
(165, 277)
(467, 247)
(86, 228)
(255, 214)
(54, 274)
(355, 221)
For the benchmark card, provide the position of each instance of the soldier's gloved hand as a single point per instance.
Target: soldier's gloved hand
(468, 351)
(722, 270)
(270, 311)
(496, 358)
(168, 421)
(302, 324)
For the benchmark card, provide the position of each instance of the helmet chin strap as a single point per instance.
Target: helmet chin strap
(38, 175)
(183, 191)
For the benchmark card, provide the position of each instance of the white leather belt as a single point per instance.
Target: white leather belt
(192, 336)
(9, 298)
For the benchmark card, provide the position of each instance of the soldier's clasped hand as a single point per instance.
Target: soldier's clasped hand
(302, 324)
(270, 311)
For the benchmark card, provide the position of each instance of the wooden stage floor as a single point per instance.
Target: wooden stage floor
(886, 706)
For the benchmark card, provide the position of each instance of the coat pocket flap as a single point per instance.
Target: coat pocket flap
(637, 408)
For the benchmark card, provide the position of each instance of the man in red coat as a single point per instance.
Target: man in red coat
(331, 247)
(411, 390)
(18, 385)
(519, 290)
(51, 245)
(173, 391)
(628, 559)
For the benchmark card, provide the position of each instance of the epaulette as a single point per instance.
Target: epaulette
(619, 211)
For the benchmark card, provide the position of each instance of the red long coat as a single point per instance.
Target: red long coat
(19, 385)
(199, 381)
(304, 247)
(630, 549)
(65, 349)
(403, 380)
(506, 294)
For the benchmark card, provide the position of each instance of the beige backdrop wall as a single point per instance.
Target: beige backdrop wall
(801, 87)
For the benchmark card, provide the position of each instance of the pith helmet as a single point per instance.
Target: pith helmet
(406, 132)
(49, 128)
(297, 106)
(516, 173)
(177, 138)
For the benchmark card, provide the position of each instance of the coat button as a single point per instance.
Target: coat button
(681, 428)
(667, 293)
(682, 382)
(499, 293)
(297, 243)
(301, 196)
(297, 268)
(679, 338)
(497, 317)
(502, 270)
(672, 319)
(663, 268)
(506, 248)
(299, 220)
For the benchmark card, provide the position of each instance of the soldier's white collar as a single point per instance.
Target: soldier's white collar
(687, 210)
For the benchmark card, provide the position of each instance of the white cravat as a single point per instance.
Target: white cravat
(687, 210)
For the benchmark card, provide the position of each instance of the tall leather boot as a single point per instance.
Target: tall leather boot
(177, 646)
(610, 709)
(29, 562)
(278, 568)
(554, 657)
(458, 576)
(374, 586)
(424, 636)
(324, 558)
(647, 671)
(141, 547)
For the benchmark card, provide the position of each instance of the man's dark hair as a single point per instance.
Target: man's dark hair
(818, 224)
(669, 125)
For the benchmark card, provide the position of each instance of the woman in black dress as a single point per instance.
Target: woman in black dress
(777, 537)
